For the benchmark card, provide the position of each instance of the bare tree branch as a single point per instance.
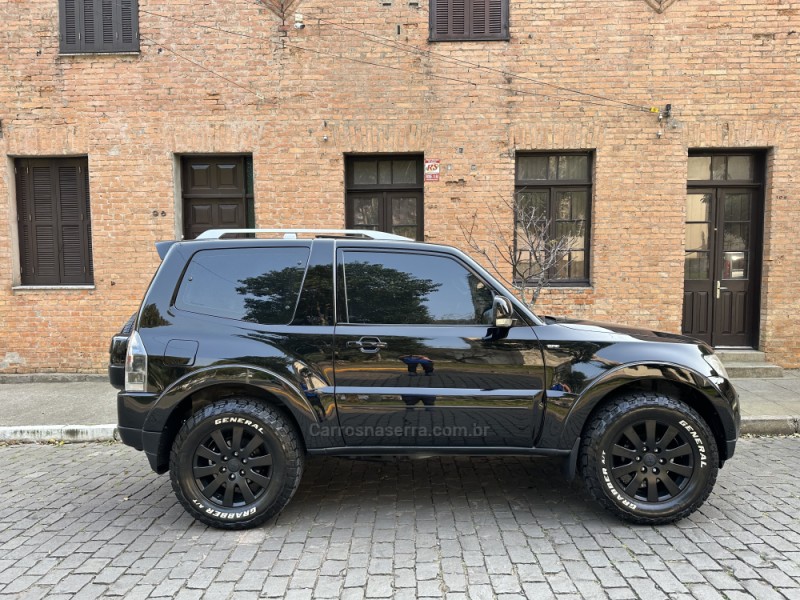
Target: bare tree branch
(531, 256)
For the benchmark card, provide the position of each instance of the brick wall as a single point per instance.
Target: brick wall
(731, 70)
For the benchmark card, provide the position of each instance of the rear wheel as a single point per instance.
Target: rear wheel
(236, 463)
(649, 458)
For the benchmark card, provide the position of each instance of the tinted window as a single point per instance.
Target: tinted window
(249, 284)
(403, 288)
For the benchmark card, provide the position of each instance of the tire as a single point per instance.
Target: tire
(236, 463)
(662, 435)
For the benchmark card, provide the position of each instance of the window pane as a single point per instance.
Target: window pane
(697, 236)
(409, 231)
(737, 206)
(257, 284)
(577, 266)
(563, 206)
(740, 167)
(532, 202)
(402, 288)
(532, 168)
(404, 171)
(734, 265)
(573, 167)
(365, 172)
(736, 236)
(699, 168)
(384, 172)
(698, 207)
(572, 233)
(696, 265)
(552, 167)
(579, 205)
(718, 168)
(365, 212)
(404, 211)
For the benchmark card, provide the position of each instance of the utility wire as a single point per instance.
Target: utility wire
(414, 49)
(204, 68)
(503, 87)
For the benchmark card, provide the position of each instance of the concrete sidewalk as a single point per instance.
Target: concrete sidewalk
(63, 409)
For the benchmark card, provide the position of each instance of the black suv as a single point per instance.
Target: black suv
(249, 354)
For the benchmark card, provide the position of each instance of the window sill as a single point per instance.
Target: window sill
(112, 53)
(36, 288)
(473, 39)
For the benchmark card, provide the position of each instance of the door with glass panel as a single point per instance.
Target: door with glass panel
(722, 253)
(393, 212)
(385, 193)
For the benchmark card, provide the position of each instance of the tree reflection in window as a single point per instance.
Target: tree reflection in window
(413, 289)
(271, 297)
(378, 294)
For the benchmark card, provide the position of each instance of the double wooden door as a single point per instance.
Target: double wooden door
(722, 265)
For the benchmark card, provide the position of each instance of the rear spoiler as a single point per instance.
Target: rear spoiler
(163, 247)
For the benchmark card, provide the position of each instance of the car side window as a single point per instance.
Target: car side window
(259, 285)
(408, 288)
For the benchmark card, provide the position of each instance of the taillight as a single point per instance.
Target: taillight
(135, 365)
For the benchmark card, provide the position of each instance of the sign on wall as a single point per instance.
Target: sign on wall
(432, 169)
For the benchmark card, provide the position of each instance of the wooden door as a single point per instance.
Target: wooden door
(721, 268)
(217, 193)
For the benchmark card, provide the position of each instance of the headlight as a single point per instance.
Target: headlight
(716, 364)
(135, 365)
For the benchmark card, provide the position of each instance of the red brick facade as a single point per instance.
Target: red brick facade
(230, 77)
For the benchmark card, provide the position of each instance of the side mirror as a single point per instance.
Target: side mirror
(503, 312)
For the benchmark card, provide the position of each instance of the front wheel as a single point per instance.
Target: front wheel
(236, 463)
(649, 458)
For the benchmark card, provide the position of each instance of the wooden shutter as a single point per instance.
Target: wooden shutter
(488, 19)
(70, 26)
(468, 20)
(53, 213)
(99, 26)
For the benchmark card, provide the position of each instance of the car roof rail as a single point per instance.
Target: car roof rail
(291, 234)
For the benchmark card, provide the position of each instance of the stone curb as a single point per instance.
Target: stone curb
(53, 378)
(108, 433)
(770, 425)
(59, 433)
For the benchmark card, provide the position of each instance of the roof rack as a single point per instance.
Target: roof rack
(291, 234)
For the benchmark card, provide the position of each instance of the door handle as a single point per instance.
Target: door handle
(719, 288)
(368, 345)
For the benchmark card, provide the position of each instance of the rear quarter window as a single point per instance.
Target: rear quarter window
(257, 285)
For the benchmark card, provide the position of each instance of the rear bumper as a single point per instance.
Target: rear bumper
(132, 410)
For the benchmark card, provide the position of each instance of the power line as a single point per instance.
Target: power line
(196, 24)
(411, 48)
(197, 64)
(502, 87)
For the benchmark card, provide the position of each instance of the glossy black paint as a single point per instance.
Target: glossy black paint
(358, 388)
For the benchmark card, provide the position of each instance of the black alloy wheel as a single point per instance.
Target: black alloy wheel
(232, 467)
(649, 458)
(652, 461)
(236, 463)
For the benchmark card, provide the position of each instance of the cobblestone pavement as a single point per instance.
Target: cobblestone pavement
(91, 520)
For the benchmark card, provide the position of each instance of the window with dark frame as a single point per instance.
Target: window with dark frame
(94, 26)
(385, 193)
(55, 233)
(459, 20)
(558, 188)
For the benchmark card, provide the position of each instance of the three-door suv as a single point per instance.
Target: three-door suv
(247, 355)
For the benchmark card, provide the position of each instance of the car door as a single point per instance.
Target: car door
(418, 361)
